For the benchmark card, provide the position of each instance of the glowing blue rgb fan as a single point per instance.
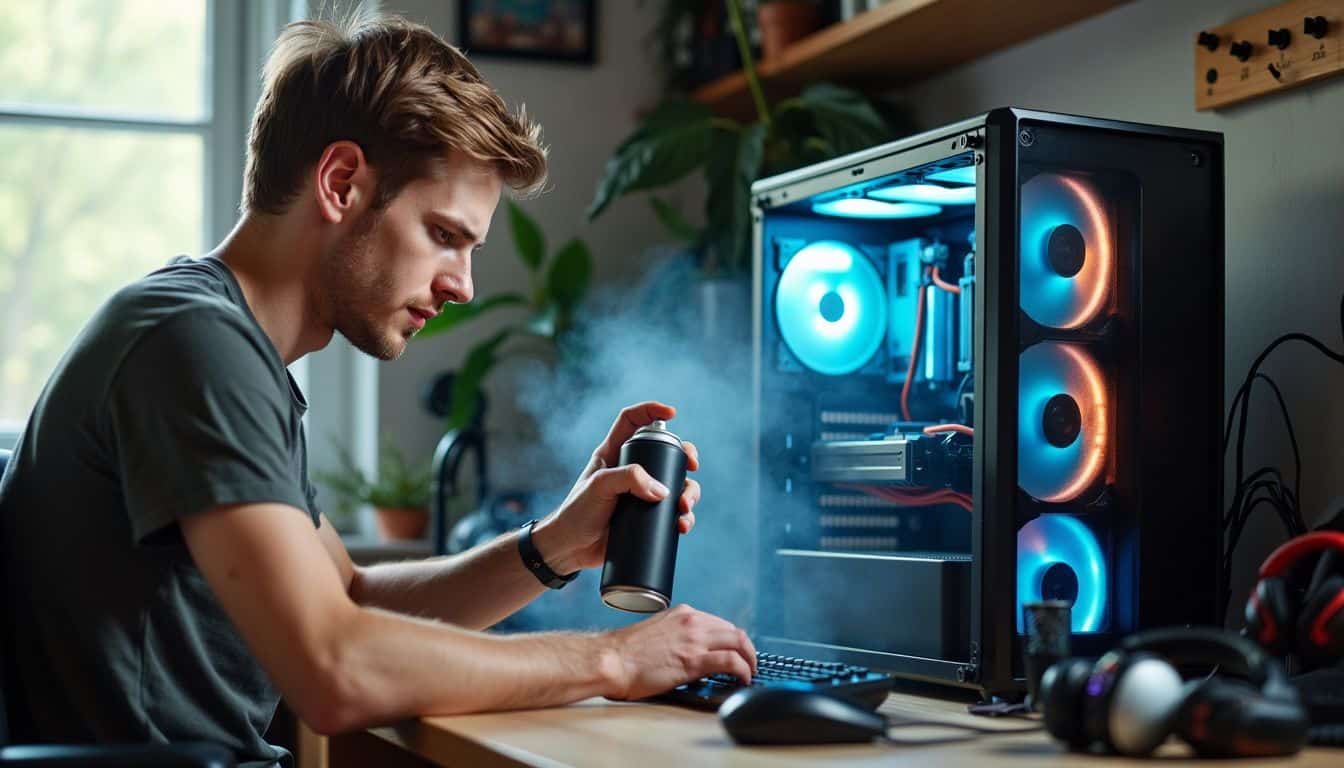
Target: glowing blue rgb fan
(1058, 558)
(1062, 429)
(831, 308)
(1067, 252)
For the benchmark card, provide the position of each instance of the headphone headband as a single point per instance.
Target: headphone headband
(1209, 645)
(1291, 551)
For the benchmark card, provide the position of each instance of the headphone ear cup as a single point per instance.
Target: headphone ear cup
(1143, 705)
(1320, 629)
(1230, 718)
(1061, 690)
(1269, 616)
(1208, 712)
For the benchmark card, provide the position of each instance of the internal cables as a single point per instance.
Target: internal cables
(912, 497)
(929, 276)
(1264, 486)
(914, 346)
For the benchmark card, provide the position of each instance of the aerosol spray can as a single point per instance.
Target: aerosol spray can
(642, 541)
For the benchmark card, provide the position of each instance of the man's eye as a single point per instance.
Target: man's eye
(444, 235)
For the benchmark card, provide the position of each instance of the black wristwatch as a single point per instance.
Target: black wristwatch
(538, 567)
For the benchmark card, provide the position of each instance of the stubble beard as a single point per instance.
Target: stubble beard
(356, 290)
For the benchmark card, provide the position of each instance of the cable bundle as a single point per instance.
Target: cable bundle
(1265, 486)
(911, 497)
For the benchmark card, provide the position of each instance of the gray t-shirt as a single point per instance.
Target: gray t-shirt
(171, 401)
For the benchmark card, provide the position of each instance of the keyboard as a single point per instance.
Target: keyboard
(846, 681)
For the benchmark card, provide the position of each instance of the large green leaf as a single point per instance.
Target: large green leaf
(467, 380)
(735, 163)
(567, 280)
(453, 315)
(670, 143)
(673, 221)
(526, 237)
(844, 118)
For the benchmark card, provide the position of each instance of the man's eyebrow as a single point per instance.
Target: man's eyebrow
(462, 225)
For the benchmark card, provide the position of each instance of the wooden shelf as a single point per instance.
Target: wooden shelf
(898, 43)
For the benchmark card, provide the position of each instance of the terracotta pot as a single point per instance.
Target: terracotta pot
(400, 524)
(784, 21)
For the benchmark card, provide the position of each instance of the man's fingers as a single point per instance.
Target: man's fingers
(725, 635)
(631, 478)
(730, 662)
(690, 496)
(686, 522)
(692, 455)
(627, 421)
(747, 647)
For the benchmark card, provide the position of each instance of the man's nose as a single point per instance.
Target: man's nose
(454, 286)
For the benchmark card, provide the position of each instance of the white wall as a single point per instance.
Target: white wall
(1285, 160)
(584, 111)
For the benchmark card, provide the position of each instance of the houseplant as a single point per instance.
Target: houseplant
(680, 137)
(399, 494)
(557, 287)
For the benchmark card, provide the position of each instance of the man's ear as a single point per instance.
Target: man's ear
(343, 181)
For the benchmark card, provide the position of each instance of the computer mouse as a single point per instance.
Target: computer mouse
(780, 715)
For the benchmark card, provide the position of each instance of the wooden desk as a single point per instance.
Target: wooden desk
(609, 734)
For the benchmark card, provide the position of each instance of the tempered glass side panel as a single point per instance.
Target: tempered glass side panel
(866, 393)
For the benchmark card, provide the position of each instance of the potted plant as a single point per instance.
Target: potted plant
(399, 494)
(557, 287)
(680, 137)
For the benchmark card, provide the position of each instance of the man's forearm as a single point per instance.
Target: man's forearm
(393, 667)
(475, 589)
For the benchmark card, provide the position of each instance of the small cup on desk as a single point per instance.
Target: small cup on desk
(1047, 625)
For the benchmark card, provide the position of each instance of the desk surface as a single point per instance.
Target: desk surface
(603, 733)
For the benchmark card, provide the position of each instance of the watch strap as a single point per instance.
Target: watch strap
(534, 562)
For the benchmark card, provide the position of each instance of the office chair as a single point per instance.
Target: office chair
(184, 755)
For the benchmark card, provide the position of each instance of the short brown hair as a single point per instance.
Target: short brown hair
(396, 89)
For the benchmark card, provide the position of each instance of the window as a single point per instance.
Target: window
(103, 127)
(122, 130)
(122, 126)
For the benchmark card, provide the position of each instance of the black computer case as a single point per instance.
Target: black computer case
(988, 369)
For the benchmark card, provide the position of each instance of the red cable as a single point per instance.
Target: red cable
(941, 283)
(915, 498)
(960, 429)
(914, 351)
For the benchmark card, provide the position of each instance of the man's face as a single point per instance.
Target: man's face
(398, 266)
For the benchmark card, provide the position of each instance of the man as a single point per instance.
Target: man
(168, 573)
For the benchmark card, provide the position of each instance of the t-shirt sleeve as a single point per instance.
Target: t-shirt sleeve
(198, 420)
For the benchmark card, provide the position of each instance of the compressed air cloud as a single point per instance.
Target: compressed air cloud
(655, 342)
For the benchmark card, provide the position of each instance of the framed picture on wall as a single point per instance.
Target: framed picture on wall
(555, 30)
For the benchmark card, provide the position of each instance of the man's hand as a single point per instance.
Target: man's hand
(575, 536)
(675, 646)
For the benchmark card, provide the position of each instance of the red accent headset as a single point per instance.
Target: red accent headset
(1284, 618)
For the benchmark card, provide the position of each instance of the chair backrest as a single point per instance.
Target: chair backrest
(4, 630)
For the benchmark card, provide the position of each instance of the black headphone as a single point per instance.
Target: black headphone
(1131, 699)
(1287, 614)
